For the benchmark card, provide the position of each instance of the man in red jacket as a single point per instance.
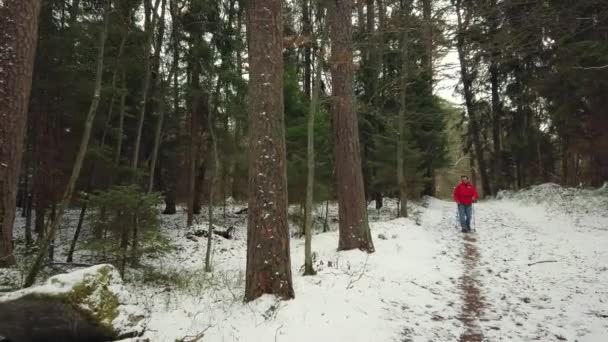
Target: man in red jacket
(464, 195)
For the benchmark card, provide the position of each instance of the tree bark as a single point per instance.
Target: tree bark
(195, 102)
(53, 223)
(310, 177)
(119, 61)
(171, 190)
(160, 95)
(83, 211)
(354, 226)
(212, 188)
(405, 8)
(428, 43)
(19, 27)
(467, 84)
(160, 92)
(149, 30)
(496, 107)
(121, 119)
(268, 258)
(149, 24)
(193, 143)
(307, 31)
(28, 219)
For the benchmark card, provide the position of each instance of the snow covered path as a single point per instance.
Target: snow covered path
(543, 276)
(526, 274)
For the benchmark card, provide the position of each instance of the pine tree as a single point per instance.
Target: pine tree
(19, 27)
(354, 225)
(268, 259)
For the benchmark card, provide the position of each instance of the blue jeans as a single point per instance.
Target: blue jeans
(465, 212)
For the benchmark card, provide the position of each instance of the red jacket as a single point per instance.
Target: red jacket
(465, 193)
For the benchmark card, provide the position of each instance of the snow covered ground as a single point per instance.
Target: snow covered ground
(535, 269)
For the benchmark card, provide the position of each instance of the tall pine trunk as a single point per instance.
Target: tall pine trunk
(496, 107)
(310, 156)
(212, 189)
(149, 13)
(307, 31)
(428, 44)
(121, 119)
(354, 226)
(171, 190)
(19, 27)
(53, 223)
(268, 258)
(467, 85)
(405, 8)
(160, 96)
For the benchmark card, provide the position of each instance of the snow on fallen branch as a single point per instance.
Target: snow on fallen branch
(194, 338)
(591, 67)
(542, 262)
(352, 282)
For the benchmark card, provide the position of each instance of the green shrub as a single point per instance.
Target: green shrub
(126, 224)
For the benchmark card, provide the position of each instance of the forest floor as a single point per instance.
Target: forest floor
(535, 269)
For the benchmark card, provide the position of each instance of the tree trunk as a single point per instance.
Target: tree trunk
(149, 24)
(157, 142)
(403, 110)
(160, 95)
(307, 32)
(149, 13)
(194, 139)
(40, 216)
(124, 246)
(171, 189)
(83, 211)
(53, 223)
(28, 220)
(135, 243)
(428, 43)
(121, 50)
(268, 258)
(212, 188)
(467, 85)
(29, 189)
(354, 227)
(326, 220)
(121, 119)
(496, 107)
(19, 27)
(199, 182)
(310, 177)
(496, 117)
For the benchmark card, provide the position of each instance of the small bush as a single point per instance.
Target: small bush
(125, 217)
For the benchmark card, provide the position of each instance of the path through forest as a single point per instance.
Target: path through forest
(528, 274)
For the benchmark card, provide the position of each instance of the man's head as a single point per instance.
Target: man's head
(464, 179)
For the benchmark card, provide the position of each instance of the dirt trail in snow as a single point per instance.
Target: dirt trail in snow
(530, 275)
(465, 249)
(472, 302)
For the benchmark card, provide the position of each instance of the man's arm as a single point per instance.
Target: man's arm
(475, 194)
(455, 195)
